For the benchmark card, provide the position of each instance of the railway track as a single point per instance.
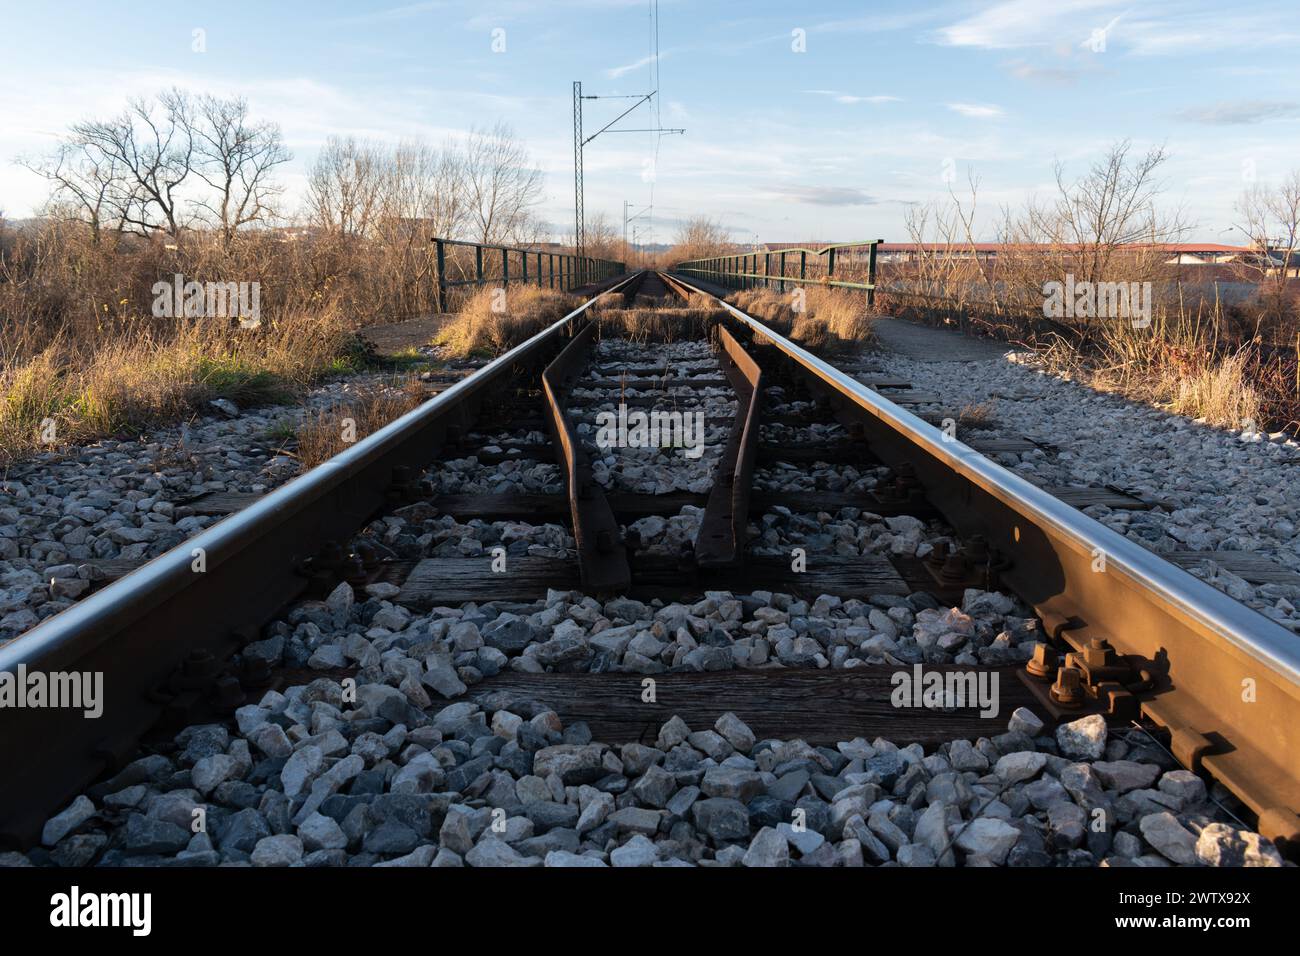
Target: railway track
(545, 576)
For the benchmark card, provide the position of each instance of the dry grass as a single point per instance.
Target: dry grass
(667, 324)
(75, 388)
(977, 415)
(1221, 394)
(327, 432)
(493, 321)
(833, 320)
(1179, 363)
(1198, 360)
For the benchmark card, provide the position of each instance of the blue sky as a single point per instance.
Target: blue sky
(830, 142)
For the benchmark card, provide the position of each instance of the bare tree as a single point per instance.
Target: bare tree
(83, 184)
(425, 186)
(1109, 215)
(698, 238)
(1271, 218)
(603, 241)
(346, 187)
(237, 158)
(501, 185)
(152, 144)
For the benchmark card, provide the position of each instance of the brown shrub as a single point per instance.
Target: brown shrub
(483, 327)
(325, 433)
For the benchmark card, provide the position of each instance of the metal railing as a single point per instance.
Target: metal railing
(845, 265)
(462, 263)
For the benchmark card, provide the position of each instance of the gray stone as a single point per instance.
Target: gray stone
(735, 731)
(672, 733)
(1126, 775)
(419, 858)
(987, 838)
(595, 813)
(281, 850)
(1083, 739)
(1221, 844)
(932, 831)
(146, 836)
(721, 818)
(804, 840)
(271, 740)
(636, 820)
(1025, 721)
(636, 852)
(565, 859)
(887, 831)
(301, 769)
(1174, 841)
(574, 764)
(916, 855)
(1019, 766)
(1185, 786)
(768, 848)
(655, 787)
(319, 832)
(732, 782)
(441, 676)
(71, 817)
(210, 772)
(491, 852)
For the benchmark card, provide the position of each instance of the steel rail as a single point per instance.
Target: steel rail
(1228, 678)
(602, 557)
(721, 540)
(203, 595)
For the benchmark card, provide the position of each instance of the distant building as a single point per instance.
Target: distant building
(1180, 253)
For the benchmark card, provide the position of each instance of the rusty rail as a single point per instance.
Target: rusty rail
(721, 540)
(601, 554)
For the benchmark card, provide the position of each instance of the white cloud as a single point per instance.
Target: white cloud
(1238, 112)
(850, 99)
(645, 61)
(976, 110)
(1183, 27)
(1018, 23)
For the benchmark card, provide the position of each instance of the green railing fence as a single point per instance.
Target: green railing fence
(462, 263)
(845, 265)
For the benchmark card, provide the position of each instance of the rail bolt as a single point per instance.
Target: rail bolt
(977, 549)
(1068, 689)
(199, 664)
(1043, 664)
(1096, 652)
(368, 554)
(227, 695)
(354, 571)
(330, 556)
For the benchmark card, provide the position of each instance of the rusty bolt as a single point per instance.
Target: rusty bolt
(1043, 664)
(1095, 652)
(354, 571)
(368, 555)
(330, 555)
(1068, 689)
